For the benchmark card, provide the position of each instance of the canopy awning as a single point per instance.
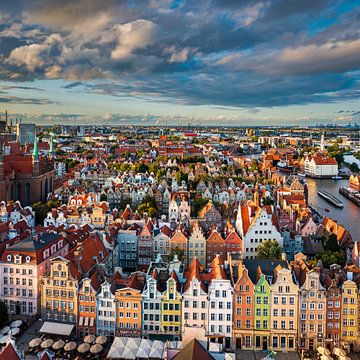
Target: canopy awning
(54, 328)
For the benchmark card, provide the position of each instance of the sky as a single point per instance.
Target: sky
(203, 62)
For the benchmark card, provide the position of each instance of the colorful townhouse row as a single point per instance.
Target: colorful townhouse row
(247, 304)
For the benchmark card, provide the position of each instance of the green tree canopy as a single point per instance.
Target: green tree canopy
(269, 249)
(330, 257)
(148, 205)
(331, 244)
(41, 209)
(177, 251)
(199, 204)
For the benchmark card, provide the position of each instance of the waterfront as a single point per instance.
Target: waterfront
(349, 216)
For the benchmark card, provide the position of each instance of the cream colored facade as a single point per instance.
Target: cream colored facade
(197, 245)
(312, 311)
(284, 312)
(59, 293)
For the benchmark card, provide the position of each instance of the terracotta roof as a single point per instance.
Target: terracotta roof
(9, 353)
(215, 237)
(82, 257)
(193, 351)
(324, 160)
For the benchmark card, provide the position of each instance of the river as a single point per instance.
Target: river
(349, 216)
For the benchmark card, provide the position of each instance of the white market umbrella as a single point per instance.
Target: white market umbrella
(35, 342)
(14, 331)
(339, 352)
(101, 339)
(89, 338)
(70, 346)
(47, 343)
(5, 330)
(58, 344)
(96, 349)
(5, 339)
(16, 323)
(83, 348)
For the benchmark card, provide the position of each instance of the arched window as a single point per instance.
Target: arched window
(27, 194)
(18, 192)
(46, 190)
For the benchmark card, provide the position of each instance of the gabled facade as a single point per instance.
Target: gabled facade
(171, 308)
(86, 323)
(312, 305)
(197, 245)
(215, 245)
(243, 313)
(255, 226)
(333, 314)
(151, 307)
(128, 311)
(105, 310)
(262, 308)
(284, 311)
(59, 293)
(349, 318)
(195, 302)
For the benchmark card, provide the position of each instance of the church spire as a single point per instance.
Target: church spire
(52, 149)
(36, 149)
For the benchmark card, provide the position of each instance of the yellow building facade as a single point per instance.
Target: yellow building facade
(349, 315)
(171, 308)
(59, 293)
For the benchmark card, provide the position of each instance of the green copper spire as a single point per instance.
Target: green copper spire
(52, 150)
(36, 149)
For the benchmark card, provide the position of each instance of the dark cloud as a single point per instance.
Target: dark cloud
(8, 99)
(221, 52)
(73, 85)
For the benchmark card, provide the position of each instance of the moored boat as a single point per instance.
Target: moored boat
(331, 198)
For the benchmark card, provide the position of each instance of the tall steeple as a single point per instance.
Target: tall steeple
(36, 149)
(52, 149)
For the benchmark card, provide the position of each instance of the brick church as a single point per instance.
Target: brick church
(26, 177)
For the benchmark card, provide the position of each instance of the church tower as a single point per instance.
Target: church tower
(35, 158)
(52, 149)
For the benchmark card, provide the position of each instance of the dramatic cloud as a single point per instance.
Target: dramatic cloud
(221, 53)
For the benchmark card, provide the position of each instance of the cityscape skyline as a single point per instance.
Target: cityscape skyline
(172, 62)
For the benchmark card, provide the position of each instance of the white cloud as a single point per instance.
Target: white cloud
(29, 55)
(134, 35)
(177, 55)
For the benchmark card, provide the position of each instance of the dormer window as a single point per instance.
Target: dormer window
(8, 258)
(17, 259)
(27, 259)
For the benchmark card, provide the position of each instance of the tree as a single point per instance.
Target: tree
(331, 244)
(148, 205)
(177, 251)
(141, 168)
(199, 204)
(4, 318)
(41, 210)
(267, 201)
(103, 197)
(330, 257)
(269, 249)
